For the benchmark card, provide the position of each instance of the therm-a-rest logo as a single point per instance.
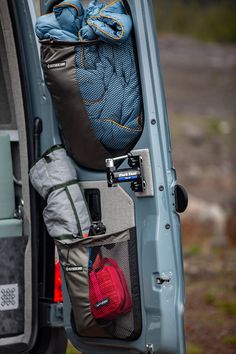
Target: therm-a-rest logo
(56, 65)
(74, 268)
(102, 303)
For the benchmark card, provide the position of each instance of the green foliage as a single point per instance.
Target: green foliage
(210, 299)
(205, 20)
(230, 340)
(229, 307)
(194, 349)
(192, 250)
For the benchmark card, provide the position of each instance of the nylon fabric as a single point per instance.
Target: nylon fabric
(74, 259)
(106, 71)
(66, 212)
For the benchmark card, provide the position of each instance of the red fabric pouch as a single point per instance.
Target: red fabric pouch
(109, 294)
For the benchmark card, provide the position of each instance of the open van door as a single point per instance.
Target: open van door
(146, 218)
(140, 244)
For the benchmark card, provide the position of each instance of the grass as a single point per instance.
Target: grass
(227, 306)
(192, 250)
(194, 349)
(230, 340)
(210, 299)
(208, 20)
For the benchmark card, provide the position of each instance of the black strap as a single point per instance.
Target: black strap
(61, 185)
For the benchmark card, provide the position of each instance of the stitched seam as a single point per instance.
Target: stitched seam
(112, 3)
(121, 126)
(70, 5)
(87, 102)
(109, 17)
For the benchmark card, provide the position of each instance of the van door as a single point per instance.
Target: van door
(142, 222)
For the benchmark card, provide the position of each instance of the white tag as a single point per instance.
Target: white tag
(9, 297)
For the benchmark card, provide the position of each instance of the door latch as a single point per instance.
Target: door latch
(19, 212)
(150, 349)
(181, 198)
(133, 174)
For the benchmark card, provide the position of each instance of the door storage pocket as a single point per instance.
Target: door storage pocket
(102, 95)
(109, 294)
(102, 282)
(93, 78)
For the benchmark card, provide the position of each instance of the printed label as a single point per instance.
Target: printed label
(9, 297)
(74, 268)
(102, 303)
(127, 174)
(56, 65)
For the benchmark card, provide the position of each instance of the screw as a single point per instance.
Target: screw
(167, 226)
(153, 121)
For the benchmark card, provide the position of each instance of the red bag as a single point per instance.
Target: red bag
(109, 294)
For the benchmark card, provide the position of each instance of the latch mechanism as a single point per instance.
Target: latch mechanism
(150, 349)
(134, 174)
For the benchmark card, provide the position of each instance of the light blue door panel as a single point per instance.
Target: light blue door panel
(157, 223)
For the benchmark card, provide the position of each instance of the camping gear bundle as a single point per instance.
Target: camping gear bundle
(88, 59)
(99, 272)
(89, 66)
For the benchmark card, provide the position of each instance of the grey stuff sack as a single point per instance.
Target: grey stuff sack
(66, 214)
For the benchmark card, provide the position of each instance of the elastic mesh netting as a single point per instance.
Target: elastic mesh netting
(124, 325)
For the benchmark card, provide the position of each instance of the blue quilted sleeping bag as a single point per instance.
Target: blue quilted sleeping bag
(106, 73)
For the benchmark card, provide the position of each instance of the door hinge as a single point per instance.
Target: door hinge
(150, 349)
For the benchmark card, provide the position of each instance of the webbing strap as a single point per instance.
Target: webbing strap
(74, 211)
(66, 237)
(61, 185)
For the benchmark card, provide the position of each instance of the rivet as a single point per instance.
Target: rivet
(167, 226)
(153, 121)
(161, 188)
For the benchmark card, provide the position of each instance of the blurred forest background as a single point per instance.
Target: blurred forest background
(197, 40)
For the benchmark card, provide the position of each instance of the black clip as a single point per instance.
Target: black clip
(133, 174)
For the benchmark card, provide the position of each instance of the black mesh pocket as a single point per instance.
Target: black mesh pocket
(114, 287)
(112, 260)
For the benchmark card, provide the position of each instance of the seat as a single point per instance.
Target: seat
(9, 225)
